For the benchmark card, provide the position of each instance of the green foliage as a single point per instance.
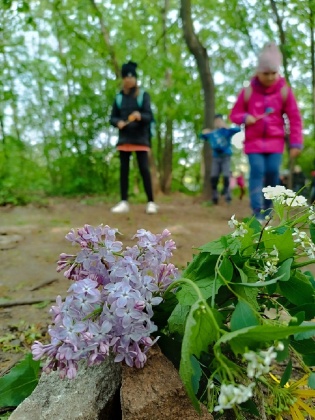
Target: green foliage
(19, 383)
(57, 95)
(238, 302)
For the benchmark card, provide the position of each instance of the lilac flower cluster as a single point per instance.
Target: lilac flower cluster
(109, 305)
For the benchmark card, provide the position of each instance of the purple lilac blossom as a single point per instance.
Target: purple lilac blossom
(110, 302)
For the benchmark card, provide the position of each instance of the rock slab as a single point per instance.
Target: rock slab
(156, 392)
(89, 396)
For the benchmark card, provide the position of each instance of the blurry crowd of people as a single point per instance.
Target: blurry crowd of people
(259, 109)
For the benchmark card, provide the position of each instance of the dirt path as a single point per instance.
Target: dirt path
(33, 238)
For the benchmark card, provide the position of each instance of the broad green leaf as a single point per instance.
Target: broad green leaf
(226, 269)
(283, 242)
(218, 246)
(249, 294)
(311, 380)
(297, 319)
(286, 374)
(188, 295)
(243, 316)
(247, 243)
(251, 337)
(197, 373)
(306, 346)
(19, 383)
(310, 276)
(308, 309)
(176, 321)
(243, 276)
(297, 289)
(284, 271)
(306, 334)
(312, 232)
(201, 267)
(309, 359)
(201, 330)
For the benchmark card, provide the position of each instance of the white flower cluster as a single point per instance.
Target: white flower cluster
(259, 363)
(270, 266)
(284, 196)
(231, 395)
(305, 242)
(238, 226)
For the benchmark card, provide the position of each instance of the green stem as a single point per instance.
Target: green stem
(302, 264)
(189, 282)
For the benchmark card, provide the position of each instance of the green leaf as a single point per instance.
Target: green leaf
(201, 267)
(298, 289)
(252, 337)
(308, 309)
(243, 316)
(307, 334)
(309, 359)
(284, 271)
(298, 319)
(200, 331)
(306, 346)
(311, 380)
(19, 383)
(286, 374)
(217, 247)
(243, 276)
(283, 242)
(197, 374)
(176, 321)
(226, 269)
(247, 244)
(312, 232)
(186, 295)
(249, 294)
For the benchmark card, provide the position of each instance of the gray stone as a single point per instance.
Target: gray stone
(89, 396)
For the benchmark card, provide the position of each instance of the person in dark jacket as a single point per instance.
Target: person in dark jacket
(133, 122)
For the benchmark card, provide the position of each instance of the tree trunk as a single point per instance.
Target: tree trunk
(202, 59)
(282, 36)
(166, 179)
(106, 38)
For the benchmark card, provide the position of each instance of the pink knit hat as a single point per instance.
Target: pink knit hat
(270, 58)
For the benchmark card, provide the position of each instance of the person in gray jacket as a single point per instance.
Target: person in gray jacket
(133, 119)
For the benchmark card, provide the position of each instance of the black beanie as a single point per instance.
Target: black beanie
(129, 69)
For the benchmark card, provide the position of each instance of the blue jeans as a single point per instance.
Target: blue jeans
(264, 172)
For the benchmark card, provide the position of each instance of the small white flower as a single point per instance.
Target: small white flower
(233, 222)
(271, 193)
(233, 394)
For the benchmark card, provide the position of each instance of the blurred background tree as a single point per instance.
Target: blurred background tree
(60, 72)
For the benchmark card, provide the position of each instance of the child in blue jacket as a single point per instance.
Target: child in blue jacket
(220, 142)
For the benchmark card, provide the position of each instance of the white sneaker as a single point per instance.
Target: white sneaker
(151, 208)
(121, 207)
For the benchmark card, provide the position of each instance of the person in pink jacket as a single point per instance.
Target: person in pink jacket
(260, 107)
